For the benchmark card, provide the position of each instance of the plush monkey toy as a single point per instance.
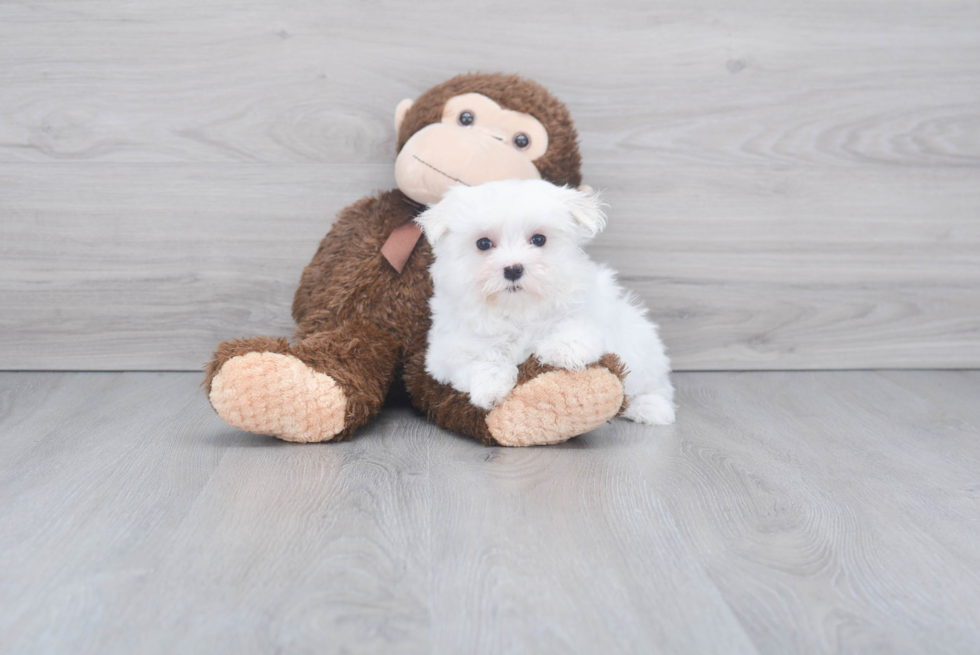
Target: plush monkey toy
(361, 309)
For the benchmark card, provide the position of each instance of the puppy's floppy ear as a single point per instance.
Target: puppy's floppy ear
(586, 209)
(434, 221)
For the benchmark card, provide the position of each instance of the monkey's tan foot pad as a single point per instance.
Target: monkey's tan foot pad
(269, 393)
(556, 406)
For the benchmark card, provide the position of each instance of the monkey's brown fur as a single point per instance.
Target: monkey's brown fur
(359, 321)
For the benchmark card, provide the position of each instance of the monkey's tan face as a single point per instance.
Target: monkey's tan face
(476, 141)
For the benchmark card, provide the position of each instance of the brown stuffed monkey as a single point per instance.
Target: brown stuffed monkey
(362, 311)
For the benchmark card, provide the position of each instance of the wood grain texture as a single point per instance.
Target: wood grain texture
(112, 524)
(105, 268)
(792, 185)
(764, 82)
(805, 512)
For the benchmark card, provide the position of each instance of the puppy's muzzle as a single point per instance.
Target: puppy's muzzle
(514, 272)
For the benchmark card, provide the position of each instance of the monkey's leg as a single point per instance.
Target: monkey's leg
(547, 406)
(319, 389)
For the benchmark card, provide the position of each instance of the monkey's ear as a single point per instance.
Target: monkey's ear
(586, 210)
(400, 112)
(434, 221)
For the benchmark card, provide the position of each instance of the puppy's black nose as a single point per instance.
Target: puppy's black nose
(513, 272)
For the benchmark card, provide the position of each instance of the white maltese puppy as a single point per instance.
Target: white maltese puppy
(510, 280)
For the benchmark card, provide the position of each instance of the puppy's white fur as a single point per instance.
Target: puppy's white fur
(565, 309)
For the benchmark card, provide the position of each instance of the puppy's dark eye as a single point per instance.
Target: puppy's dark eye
(466, 118)
(522, 141)
(538, 240)
(484, 244)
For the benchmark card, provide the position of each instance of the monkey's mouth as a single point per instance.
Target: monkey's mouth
(425, 163)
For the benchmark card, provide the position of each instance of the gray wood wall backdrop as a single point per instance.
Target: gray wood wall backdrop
(792, 184)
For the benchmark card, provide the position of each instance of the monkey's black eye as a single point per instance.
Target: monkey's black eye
(538, 240)
(484, 244)
(522, 141)
(466, 118)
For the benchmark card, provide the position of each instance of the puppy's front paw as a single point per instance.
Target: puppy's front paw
(490, 386)
(571, 350)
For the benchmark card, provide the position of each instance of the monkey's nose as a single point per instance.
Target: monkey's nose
(494, 132)
(513, 272)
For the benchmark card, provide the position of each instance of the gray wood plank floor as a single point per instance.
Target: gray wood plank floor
(805, 512)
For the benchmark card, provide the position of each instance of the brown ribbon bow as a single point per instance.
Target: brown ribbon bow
(401, 242)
